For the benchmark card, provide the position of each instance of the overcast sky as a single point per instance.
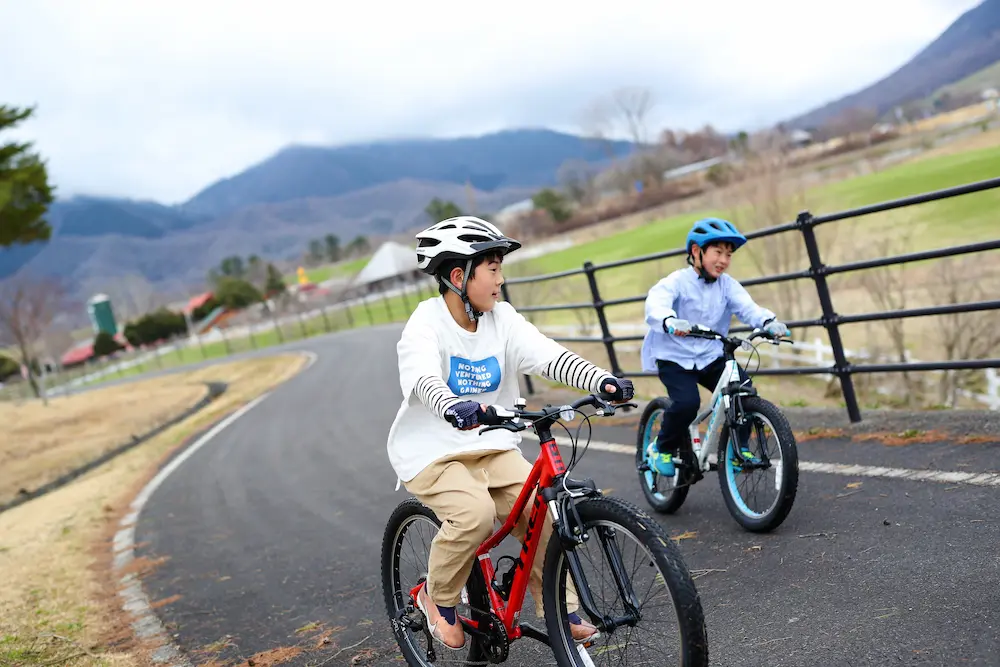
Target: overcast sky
(159, 99)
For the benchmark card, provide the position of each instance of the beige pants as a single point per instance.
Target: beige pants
(468, 492)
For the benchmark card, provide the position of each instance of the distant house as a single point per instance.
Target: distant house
(508, 213)
(693, 168)
(196, 302)
(392, 264)
(799, 138)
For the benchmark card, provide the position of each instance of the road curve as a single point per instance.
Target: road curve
(277, 524)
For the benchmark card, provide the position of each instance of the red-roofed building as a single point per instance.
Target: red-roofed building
(196, 302)
(83, 352)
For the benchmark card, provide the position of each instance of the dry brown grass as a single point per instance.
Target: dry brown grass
(59, 602)
(46, 441)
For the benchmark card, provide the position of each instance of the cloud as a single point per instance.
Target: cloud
(158, 100)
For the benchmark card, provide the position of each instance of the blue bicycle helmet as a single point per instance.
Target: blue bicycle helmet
(707, 230)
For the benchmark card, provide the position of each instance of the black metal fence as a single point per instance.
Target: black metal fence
(805, 224)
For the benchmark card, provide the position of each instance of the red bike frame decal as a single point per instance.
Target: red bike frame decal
(548, 464)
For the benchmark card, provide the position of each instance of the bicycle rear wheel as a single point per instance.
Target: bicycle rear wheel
(670, 612)
(405, 549)
(664, 494)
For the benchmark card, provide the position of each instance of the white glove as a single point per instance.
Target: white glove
(676, 327)
(776, 329)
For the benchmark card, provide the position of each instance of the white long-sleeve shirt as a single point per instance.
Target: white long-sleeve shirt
(441, 364)
(684, 295)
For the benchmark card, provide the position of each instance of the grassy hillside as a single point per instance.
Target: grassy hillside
(969, 217)
(988, 77)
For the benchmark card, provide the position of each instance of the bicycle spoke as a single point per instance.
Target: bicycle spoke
(649, 641)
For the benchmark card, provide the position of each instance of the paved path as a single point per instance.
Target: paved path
(277, 524)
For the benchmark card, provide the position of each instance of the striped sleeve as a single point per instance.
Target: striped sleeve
(435, 394)
(571, 369)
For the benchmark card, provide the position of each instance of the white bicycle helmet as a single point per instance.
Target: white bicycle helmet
(459, 238)
(462, 237)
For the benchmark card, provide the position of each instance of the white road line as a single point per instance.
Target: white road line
(145, 623)
(944, 476)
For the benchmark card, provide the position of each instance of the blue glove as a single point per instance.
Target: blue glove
(464, 415)
(775, 329)
(624, 391)
(676, 327)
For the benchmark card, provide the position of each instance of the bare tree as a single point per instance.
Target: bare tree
(962, 335)
(27, 307)
(632, 105)
(623, 112)
(577, 177)
(889, 289)
(769, 196)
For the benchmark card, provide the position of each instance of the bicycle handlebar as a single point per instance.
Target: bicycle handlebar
(699, 331)
(498, 416)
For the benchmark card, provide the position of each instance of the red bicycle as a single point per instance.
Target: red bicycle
(491, 601)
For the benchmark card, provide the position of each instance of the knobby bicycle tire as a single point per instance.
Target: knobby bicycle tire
(789, 468)
(671, 501)
(647, 532)
(412, 647)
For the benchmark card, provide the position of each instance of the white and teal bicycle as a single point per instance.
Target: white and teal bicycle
(747, 440)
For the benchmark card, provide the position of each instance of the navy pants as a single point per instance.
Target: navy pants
(682, 388)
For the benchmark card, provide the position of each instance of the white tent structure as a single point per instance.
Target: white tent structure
(392, 263)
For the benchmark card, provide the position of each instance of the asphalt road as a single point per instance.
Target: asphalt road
(277, 524)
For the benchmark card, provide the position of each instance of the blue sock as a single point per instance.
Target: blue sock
(574, 618)
(448, 613)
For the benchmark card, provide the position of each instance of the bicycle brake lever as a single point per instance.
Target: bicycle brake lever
(513, 428)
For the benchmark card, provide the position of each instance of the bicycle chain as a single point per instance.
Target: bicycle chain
(462, 661)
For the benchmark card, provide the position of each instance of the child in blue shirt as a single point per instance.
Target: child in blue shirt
(701, 294)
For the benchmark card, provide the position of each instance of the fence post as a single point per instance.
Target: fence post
(609, 342)
(527, 378)
(817, 270)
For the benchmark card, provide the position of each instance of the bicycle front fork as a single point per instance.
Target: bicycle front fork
(571, 532)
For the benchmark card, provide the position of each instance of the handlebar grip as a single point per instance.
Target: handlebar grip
(495, 415)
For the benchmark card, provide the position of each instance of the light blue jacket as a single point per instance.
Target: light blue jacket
(684, 295)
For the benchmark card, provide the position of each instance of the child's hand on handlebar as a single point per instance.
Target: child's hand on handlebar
(676, 327)
(617, 390)
(776, 329)
(466, 415)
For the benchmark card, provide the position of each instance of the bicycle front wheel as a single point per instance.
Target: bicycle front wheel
(759, 493)
(634, 574)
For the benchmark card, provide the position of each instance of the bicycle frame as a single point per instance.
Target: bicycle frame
(718, 405)
(547, 467)
(547, 474)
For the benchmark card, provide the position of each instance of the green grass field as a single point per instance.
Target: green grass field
(340, 270)
(960, 219)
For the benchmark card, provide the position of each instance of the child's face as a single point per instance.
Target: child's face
(483, 287)
(715, 258)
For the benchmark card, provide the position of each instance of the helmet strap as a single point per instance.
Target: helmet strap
(699, 267)
(462, 293)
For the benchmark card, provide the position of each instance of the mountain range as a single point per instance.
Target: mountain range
(302, 192)
(971, 43)
(381, 188)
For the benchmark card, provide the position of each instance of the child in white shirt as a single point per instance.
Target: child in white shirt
(458, 354)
